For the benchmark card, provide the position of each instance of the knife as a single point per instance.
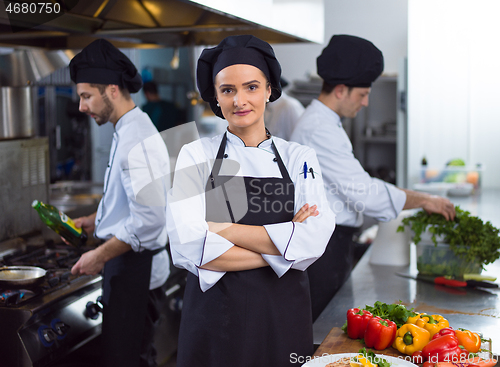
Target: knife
(476, 282)
(450, 282)
(435, 280)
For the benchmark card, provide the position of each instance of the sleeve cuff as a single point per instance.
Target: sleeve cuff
(123, 235)
(398, 198)
(213, 247)
(281, 235)
(278, 264)
(208, 278)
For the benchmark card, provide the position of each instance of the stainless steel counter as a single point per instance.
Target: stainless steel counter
(474, 309)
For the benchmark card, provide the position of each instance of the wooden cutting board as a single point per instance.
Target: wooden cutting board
(338, 342)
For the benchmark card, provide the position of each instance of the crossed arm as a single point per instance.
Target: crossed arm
(250, 242)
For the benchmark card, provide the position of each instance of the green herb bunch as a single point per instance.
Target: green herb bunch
(396, 312)
(468, 236)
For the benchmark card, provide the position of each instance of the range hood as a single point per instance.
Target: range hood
(160, 23)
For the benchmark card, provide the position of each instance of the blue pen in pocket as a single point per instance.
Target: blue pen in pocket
(305, 169)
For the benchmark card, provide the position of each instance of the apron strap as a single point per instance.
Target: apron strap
(216, 169)
(281, 165)
(218, 161)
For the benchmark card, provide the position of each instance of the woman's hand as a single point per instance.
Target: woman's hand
(305, 212)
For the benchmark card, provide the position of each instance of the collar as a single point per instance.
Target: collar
(327, 111)
(127, 118)
(237, 141)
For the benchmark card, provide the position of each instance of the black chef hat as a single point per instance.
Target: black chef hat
(102, 63)
(233, 50)
(350, 60)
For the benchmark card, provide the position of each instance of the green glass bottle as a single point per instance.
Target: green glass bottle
(60, 223)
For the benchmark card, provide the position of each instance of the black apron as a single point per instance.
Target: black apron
(125, 298)
(331, 270)
(252, 317)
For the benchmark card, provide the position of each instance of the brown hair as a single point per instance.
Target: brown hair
(102, 88)
(328, 88)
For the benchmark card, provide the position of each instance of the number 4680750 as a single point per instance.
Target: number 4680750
(33, 8)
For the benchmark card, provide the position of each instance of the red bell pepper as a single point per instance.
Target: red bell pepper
(446, 331)
(444, 349)
(356, 322)
(380, 333)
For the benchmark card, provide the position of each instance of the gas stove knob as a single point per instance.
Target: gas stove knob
(47, 335)
(92, 310)
(60, 328)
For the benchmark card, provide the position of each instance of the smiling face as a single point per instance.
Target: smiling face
(242, 91)
(93, 103)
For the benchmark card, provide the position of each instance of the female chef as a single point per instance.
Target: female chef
(247, 214)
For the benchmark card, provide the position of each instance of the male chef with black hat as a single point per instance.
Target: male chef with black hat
(348, 66)
(131, 227)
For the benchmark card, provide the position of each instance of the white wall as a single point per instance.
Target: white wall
(453, 79)
(383, 22)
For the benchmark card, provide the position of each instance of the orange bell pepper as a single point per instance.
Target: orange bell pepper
(469, 340)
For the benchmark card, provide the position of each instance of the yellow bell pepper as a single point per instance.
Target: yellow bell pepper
(431, 323)
(365, 362)
(410, 338)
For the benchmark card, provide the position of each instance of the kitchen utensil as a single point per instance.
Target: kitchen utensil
(435, 280)
(18, 112)
(475, 282)
(21, 276)
(449, 282)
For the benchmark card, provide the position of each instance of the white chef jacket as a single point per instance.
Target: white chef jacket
(132, 207)
(192, 245)
(350, 190)
(282, 115)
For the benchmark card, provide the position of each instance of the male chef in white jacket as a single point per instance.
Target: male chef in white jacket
(130, 220)
(348, 67)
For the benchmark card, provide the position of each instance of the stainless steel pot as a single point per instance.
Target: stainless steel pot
(21, 276)
(18, 112)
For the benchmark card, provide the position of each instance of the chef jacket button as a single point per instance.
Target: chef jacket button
(225, 155)
(275, 159)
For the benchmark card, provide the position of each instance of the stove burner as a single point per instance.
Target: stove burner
(56, 259)
(45, 257)
(14, 297)
(54, 279)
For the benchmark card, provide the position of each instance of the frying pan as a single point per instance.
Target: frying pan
(21, 276)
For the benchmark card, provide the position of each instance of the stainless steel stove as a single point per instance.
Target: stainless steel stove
(44, 324)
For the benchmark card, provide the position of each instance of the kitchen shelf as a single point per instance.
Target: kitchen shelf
(377, 152)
